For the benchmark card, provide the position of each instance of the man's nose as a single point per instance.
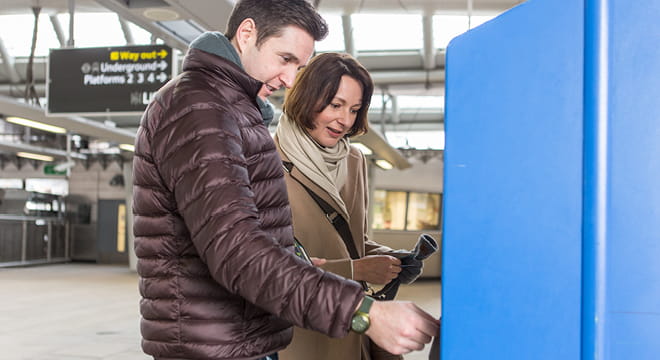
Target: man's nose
(288, 77)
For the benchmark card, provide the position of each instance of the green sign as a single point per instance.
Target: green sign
(50, 170)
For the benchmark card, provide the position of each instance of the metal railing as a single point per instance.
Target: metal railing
(30, 240)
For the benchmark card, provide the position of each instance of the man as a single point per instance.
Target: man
(219, 279)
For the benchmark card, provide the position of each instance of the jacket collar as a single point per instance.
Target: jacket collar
(200, 59)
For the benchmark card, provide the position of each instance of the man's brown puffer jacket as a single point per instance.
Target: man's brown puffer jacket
(213, 230)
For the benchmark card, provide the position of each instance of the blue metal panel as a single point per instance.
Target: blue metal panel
(594, 216)
(513, 167)
(633, 252)
(512, 266)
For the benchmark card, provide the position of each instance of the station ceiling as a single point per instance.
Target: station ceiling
(396, 72)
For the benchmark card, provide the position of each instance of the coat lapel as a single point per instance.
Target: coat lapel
(296, 174)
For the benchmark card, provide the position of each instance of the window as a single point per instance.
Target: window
(48, 186)
(423, 211)
(10, 184)
(389, 210)
(407, 211)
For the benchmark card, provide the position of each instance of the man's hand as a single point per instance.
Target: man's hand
(376, 269)
(400, 326)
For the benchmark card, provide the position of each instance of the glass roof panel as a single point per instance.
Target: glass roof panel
(335, 39)
(447, 27)
(434, 140)
(17, 31)
(371, 34)
(140, 36)
(94, 29)
(410, 102)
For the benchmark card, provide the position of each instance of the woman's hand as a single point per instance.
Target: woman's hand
(318, 261)
(376, 269)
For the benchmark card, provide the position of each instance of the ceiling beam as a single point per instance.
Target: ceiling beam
(382, 149)
(8, 64)
(14, 147)
(156, 30)
(57, 28)
(349, 39)
(72, 10)
(429, 50)
(128, 34)
(408, 77)
(18, 90)
(74, 124)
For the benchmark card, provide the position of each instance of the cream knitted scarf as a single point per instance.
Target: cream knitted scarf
(326, 167)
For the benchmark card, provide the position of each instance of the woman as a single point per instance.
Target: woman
(327, 104)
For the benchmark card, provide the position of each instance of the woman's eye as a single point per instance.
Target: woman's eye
(335, 106)
(355, 111)
(286, 59)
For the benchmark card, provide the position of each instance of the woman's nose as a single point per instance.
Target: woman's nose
(345, 117)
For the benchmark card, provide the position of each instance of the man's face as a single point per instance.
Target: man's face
(277, 61)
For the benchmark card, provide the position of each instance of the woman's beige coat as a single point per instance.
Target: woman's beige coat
(320, 239)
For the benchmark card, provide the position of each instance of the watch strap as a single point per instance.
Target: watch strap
(366, 305)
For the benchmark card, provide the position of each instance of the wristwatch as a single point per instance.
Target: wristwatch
(360, 322)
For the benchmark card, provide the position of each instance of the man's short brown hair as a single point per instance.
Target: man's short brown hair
(272, 16)
(316, 85)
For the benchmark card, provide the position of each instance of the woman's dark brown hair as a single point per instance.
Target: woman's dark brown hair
(316, 85)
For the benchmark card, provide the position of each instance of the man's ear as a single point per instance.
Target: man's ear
(246, 35)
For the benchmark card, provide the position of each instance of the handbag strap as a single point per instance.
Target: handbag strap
(331, 214)
(386, 293)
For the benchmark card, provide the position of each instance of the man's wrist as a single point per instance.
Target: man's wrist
(361, 321)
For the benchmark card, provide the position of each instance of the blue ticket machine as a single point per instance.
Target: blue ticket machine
(551, 234)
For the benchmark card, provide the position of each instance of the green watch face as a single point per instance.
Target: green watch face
(360, 322)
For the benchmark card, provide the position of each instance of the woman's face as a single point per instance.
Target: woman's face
(337, 119)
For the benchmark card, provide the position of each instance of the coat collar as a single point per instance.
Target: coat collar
(226, 69)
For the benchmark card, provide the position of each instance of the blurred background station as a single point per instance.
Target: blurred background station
(67, 133)
(522, 135)
(68, 120)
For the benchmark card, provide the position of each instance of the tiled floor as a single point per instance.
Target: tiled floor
(90, 312)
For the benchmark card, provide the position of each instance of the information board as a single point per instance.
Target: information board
(106, 79)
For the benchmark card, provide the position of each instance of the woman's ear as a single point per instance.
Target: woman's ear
(246, 35)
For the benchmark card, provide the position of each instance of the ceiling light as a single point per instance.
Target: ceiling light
(159, 14)
(364, 148)
(384, 164)
(127, 147)
(35, 124)
(32, 156)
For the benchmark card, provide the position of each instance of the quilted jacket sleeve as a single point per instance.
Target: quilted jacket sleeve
(203, 163)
